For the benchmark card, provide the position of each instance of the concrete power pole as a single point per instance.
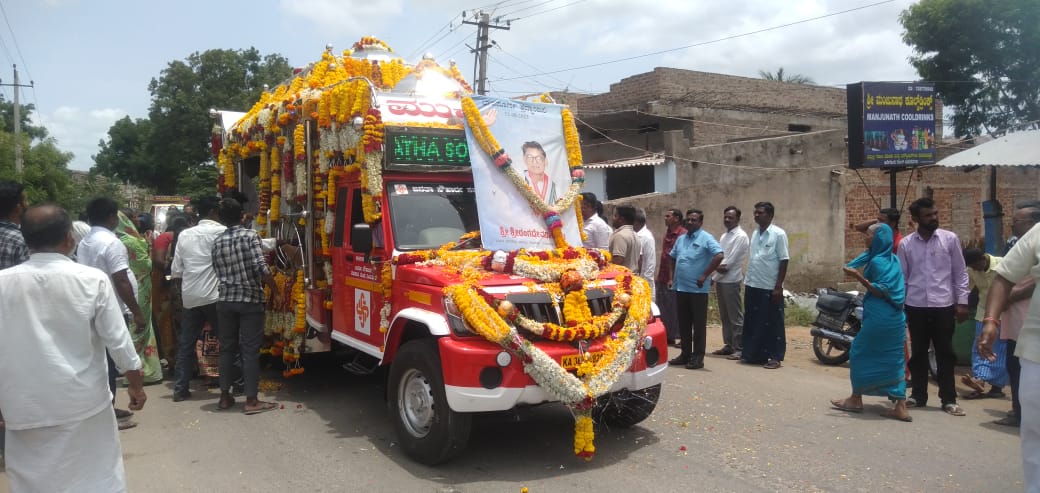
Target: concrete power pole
(484, 26)
(17, 125)
(17, 120)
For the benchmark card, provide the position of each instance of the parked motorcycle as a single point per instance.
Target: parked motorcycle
(839, 320)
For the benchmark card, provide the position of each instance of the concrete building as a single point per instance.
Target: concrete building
(686, 139)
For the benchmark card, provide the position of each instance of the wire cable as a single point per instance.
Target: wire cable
(547, 10)
(15, 40)
(722, 165)
(703, 43)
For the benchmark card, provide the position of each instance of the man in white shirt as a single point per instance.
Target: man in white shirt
(102, 250)
(727, 277)
(59, 317)
(597, 232)
(193, 265)
(647, 253)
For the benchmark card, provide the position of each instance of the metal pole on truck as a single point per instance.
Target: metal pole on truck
(307, 213)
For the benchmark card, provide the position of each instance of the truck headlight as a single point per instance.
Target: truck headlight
(457, 324)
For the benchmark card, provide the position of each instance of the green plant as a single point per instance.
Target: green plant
(795, 315)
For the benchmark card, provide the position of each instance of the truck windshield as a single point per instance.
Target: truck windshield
(428, 215)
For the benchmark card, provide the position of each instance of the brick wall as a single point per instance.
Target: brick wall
(958, 196)
(719, 91)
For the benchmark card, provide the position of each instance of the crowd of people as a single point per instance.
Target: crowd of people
(61, 359)
(690, 261)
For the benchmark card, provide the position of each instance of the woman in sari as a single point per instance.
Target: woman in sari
(141, 268)
(876, 360)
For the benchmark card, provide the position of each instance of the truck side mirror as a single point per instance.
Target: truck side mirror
(361, 239)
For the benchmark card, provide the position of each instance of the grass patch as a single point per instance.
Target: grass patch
(795, 315)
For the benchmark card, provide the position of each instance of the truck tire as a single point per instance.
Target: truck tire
(429, 431)
(625, 408)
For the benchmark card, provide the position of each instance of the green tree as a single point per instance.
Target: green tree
(781, 76)
(182, 96)
(984, 58)
(7, 116)
(124, 155)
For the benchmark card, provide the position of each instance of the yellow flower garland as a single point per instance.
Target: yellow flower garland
(594, 378)
(551, 212)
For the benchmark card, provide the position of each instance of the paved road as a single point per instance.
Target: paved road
(729, 427)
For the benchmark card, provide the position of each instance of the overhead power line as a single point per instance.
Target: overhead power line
(528, 16)
(703, 43)
(15, 40)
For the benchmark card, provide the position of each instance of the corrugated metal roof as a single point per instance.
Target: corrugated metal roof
(646, 160)
(1017, 149)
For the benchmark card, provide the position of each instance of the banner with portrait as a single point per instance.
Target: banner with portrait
(532, 135)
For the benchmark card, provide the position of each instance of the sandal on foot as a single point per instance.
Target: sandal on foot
(953, 409)
(974, 394)
(891, 414)
(127, 424)
(839, 404)
(225, 403)
(262, 407)
(913, 402)
(995, 394)
(123, 414)
(1007, 421)
(772, 365)
(972, 383)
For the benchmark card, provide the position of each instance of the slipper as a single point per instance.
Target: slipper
(126, 425)
(972, 383)
(839, 404)
(975, 394)
(953, 409)
(995, 394)
(123, 414)
(1007, 421)
(264, 407)
(225, 404)
(890, 414)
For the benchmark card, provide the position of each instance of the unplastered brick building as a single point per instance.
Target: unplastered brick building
(687, 139)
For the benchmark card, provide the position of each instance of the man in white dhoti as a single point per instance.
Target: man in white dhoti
(59, 317)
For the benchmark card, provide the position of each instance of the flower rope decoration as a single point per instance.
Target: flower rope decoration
(502, 161)
(497, 321)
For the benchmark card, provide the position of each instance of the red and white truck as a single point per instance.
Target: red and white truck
(391, 266)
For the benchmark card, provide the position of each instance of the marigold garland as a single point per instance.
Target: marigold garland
(550, 212)
(631, 297)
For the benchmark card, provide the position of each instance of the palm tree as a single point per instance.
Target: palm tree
(780, 76)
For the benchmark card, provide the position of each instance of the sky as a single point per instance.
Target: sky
(91, 61)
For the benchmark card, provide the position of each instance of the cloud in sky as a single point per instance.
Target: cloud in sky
(79, 130)
(102, 76)
(334, 16)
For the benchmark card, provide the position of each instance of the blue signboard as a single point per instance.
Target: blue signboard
(896, 123)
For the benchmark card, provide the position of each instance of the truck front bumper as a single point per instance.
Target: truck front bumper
(467, 364)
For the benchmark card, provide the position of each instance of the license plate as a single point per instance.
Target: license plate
(571, 361)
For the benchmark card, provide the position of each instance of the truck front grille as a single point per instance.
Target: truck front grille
(540, 308)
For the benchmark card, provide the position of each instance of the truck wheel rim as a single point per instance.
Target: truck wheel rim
(415, 403)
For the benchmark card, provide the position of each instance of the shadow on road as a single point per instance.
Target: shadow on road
(521, 445)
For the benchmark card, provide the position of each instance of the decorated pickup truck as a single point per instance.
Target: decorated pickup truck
(417, 243)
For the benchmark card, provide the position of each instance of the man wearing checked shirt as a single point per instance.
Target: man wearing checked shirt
(241, 270)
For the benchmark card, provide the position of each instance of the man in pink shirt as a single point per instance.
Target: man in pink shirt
(936, 296)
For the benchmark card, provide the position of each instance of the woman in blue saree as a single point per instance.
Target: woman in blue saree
(877, 360)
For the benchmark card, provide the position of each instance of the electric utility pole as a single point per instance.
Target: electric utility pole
(484, 25)
(17, 120)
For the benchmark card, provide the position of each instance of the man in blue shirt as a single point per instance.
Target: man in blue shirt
(696, 255)
(765, 340)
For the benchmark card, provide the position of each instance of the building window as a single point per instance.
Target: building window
(626, 182)
(797, 127)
